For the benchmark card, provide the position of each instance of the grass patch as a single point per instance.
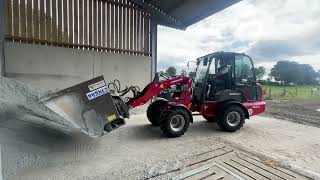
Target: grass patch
(291, 92)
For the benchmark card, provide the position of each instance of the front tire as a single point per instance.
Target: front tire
(153, 112)
(232, 119)
(174, 122)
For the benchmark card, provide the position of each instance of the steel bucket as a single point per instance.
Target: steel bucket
(87, 106)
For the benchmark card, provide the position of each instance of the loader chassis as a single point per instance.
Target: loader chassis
(229, 103)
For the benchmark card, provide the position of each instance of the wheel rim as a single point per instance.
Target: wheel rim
(233, 118)
(177, 123)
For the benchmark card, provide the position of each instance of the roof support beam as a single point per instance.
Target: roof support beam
(158, 14)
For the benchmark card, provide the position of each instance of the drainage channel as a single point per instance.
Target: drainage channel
(225, 163)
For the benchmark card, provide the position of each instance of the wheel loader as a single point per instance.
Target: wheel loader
(227, 98)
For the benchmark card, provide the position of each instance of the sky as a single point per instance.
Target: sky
(267, 30)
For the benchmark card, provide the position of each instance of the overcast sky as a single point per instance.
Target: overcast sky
(267, 30)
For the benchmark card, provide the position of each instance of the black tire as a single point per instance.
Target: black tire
(167, 119)
(234, 112)
(153, 114)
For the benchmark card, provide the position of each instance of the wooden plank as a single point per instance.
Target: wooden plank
(120, 26)
(124, 28)
(116, 24)
(112, 26)
(127, 26)
(104, 32)
(60, 21)
(42, 28)
(99, 24)
(65, 21)
(108, 28)
(81, 21)
(36, 22)
(23, 19)
(147, 35)
(16, 18)
(131, 29)
(29, 33)
(71, 32)
(48, 21)
(90, 27)
(85, 23)
(95, 23)
(76, 23)
(54, 20)
(142, 31)
(136, 30)
(9, 17)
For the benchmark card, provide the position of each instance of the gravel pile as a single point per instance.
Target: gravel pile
(20, 101)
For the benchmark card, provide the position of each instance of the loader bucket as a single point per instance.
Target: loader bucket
(87, 106)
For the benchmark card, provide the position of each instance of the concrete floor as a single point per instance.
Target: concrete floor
(139, 151)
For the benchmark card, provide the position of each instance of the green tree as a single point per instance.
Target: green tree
(260, 72)
(183, 72)
(171, 71)
(292, 72)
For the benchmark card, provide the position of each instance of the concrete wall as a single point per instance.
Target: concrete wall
(56, 68)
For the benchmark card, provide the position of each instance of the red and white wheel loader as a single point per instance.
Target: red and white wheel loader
(228, 98)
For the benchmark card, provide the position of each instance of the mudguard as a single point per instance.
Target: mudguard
(175, 105)
(225, 104)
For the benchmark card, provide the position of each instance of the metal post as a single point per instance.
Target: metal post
(154, 39)
(2, 33)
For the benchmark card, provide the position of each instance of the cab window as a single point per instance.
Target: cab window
(243, 69)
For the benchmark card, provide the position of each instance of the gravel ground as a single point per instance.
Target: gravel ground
(37, 144)
(139, 151)
(298, 111)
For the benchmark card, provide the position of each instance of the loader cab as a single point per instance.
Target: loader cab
(224, 76)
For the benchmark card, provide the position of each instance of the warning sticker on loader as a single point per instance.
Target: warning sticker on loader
(112, 117)
(96, 85)
(96, 93)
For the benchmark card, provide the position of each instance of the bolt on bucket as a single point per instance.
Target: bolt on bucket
(88, 106)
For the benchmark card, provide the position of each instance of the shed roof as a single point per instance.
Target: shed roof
(182, 13)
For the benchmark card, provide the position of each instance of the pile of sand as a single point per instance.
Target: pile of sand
(21, 101)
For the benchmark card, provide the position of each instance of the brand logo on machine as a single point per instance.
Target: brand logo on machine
(96, 93)
(96, 85)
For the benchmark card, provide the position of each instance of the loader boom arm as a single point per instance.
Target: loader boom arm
(155, 88)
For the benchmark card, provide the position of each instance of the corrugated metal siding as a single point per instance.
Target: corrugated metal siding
(116, 26)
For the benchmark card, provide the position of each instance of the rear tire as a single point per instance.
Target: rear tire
(174, 122)
(232, 119)
(153, 112)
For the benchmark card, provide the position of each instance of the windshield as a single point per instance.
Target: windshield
(201, 71)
